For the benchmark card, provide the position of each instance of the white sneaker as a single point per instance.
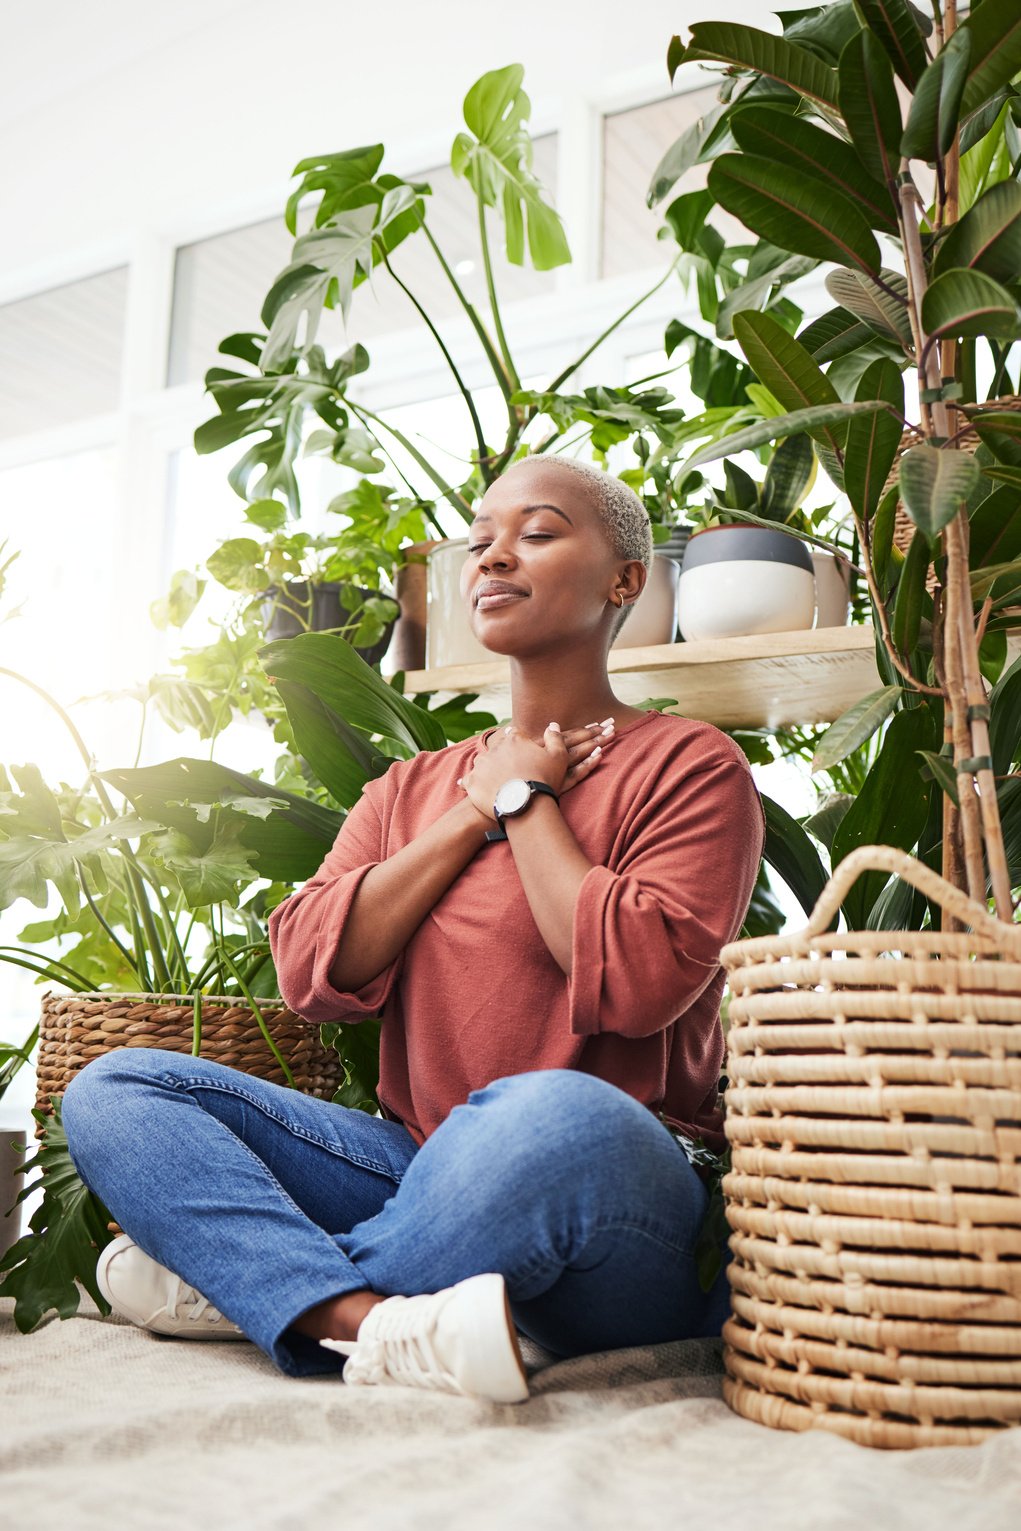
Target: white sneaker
(460, 1340)
(139, 1288)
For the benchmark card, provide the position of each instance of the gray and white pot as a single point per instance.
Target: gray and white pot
(449, 636)
(738, 580)
(12, 1158)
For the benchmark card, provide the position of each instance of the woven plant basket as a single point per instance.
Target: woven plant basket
(874, 1200)
(75, 1028)
(903, 526)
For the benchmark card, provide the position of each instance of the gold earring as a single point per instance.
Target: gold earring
(621, 601)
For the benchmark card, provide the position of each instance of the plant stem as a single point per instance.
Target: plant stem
(133, 965)
(563, 376)
(512, 372)
(257, 1013)
(455, 497)
(47, 971)
(504, 382)
(463, 389)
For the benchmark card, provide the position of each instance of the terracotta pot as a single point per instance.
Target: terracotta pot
(449, 637)
(737, 580)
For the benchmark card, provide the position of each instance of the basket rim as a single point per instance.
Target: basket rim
(117, 996)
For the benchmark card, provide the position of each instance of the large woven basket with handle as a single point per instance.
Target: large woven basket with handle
(874, 1200)
(75, 1028)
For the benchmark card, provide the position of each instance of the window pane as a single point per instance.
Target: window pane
(634, 142)
(61, 353)
(220, 283)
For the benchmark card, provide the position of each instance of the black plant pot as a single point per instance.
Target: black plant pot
(287, 613)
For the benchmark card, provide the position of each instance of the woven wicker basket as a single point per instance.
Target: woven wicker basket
(903, 526)
(874, 1201)
(75, 1028)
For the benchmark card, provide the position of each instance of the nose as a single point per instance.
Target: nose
(496, 556)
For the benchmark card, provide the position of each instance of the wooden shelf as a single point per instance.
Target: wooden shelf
(764, 681)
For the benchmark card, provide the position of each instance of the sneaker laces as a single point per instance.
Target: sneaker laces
(189, 1304)
(400, 1347)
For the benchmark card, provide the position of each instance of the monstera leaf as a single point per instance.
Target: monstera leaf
(495, 157)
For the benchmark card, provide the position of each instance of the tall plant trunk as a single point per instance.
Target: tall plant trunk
(965, 689)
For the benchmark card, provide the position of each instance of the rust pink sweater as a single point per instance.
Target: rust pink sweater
(673, 823)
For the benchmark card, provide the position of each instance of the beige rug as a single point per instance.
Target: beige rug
(104, 1426)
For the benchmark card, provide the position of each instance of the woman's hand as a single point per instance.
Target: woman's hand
(561, 761)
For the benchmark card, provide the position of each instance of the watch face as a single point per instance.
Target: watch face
(512, 796)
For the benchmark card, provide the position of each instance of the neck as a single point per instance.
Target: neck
(570, 687)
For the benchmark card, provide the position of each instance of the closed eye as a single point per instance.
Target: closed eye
(475, 547)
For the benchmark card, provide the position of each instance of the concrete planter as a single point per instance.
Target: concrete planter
(738, 580)
(12, 1158)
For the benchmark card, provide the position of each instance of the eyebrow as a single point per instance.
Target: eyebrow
(528, 509)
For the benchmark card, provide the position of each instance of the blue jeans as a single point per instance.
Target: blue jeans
(269, 1202)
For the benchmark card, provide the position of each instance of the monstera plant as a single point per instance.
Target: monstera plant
(883, 145)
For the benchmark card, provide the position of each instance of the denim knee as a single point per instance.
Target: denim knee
(91, 1099)
(562, 1115)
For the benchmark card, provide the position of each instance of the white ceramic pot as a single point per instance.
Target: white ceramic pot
(12, 1158)
(449, 637)
(738, 580)
(832, 588)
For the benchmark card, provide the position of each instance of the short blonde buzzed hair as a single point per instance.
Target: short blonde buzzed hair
(622, 513)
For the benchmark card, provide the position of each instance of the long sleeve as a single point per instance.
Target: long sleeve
(647, 935)
(305, 930)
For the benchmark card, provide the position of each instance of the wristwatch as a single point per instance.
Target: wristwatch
(514, 796)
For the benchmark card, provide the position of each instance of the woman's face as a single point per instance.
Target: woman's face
(537, 533)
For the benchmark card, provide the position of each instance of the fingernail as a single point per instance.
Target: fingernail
(555, 727)
(592, 725)
(608, 730)
(605, 721)
(597, 751)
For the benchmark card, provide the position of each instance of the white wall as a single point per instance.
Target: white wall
(187, 118)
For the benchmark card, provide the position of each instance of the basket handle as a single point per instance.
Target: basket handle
(887, 858)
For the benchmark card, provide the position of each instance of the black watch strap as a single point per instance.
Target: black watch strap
(499, 833)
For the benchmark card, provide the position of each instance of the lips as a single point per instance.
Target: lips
(497, 592)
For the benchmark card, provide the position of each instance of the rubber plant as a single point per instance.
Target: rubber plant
(883, 145)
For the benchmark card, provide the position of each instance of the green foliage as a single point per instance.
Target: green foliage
(67, 1232)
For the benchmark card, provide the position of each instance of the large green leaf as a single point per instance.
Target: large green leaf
(816, 420)
(68, 1231)
(909, 602)
(869, 105)
(807, 149)
(790, 852)
(891, 807)
(790, 472)
(495, 157)
(803, 213)
(934, 484)
(988, 237)
(341, 757)
(683, 154)
(995, 528)
(855, 726)
(1005, 719)
(287, 845)
(963, 303)
(214, 873)
(334, 672)
(872, 440)
(835, 333)
(326, 262)
(748, 48)
(995, 30)
(893, 23)
(935, 110)
(884, 308)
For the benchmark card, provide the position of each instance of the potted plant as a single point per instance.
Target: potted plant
(815, 148)
(361, 215)
(12, 1143)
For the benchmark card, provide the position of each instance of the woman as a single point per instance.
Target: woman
(537, 917)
